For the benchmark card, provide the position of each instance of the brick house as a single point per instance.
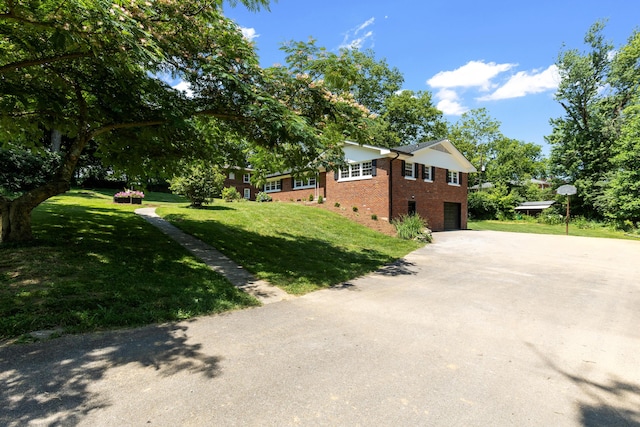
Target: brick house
(428, 178)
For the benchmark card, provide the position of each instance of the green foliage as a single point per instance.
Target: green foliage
(91, 71)
(498, 159)
(495, 203)
(336, 205)
(374, 217)
(263, 197)
(199, 183)
(354, 208)
(400, 117)
(621, 198)
(231, 194)
(310, 198)
(320, 199)
(412, 227)
(23, 170)
(588, 146)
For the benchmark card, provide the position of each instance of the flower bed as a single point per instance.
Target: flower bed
(129, 196)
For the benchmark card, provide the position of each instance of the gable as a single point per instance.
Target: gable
(442, 154)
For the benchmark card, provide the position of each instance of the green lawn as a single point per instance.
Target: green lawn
(96, 265)
(536, 228)
(298, 248)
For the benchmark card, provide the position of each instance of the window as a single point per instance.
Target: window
(232, 175)
(246, 178)
(453, 177)
(409, 170)
(367, 168)
(304, 183)
(360, 170)
(272, 186)
(247, 193)
(427, 173)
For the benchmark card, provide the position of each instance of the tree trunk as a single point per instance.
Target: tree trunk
(16, 222)
(15, 215)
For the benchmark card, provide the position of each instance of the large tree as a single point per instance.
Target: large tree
(401, 116)
(83, 71)
(595, 88)
(499, 159)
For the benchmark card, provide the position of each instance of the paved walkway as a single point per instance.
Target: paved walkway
(215, 260)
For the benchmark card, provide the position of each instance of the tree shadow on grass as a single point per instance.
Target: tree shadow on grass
(612, 403)
(51, 381)
(296, 263)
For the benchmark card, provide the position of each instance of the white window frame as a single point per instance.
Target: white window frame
(232, 175)
(428, 171)
(273, 186)
(356, 171)
(246, 178)
(410, 167)
(247, 193)
(453, 178)
(302, 183)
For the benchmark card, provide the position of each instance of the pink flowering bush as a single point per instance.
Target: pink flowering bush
(130, 193)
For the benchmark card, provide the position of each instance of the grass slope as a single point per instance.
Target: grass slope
(296, 247)
(96, 265)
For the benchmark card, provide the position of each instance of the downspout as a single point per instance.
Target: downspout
(391, 185)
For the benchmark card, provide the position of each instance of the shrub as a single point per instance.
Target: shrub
(336, 205)
(199, 183)
(320, 200)
(412, 227)
(230, 194)
(374, 217)
(311, 197)
(263, 197)
(355, 209)
(550, 218)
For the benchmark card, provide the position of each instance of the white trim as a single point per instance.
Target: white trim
(247, 193)
(351, 170)
(246, 178)
(307, 185)
(410, 178)
(278, 186)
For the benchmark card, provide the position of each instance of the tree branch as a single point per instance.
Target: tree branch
(51, 59)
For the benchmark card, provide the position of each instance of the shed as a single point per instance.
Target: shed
(534, 208)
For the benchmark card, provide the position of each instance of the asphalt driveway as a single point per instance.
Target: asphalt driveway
(481, 328)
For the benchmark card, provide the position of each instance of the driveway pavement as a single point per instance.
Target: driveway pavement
(481, 328)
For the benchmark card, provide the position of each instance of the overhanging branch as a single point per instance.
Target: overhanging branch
(49, 60)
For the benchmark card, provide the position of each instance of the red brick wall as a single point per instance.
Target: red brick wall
(287, 193)
(239, 185)
(370, 196)
(428, 196)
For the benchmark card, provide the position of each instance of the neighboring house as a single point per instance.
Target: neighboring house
(429, 179)
(534, 208)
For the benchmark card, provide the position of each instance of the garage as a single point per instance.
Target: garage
(452, 219)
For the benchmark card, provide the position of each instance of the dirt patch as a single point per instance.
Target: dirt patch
(380, 225)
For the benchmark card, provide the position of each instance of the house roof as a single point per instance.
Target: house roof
(441, 153)
(408, 149)
(535, 205)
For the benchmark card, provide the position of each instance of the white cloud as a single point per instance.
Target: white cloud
(249, 33)
(524, 83)
(449, 102)
(472, 74)
(351, 41)
(364, 25)
(185, 88)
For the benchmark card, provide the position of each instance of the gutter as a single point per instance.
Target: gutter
(391, 184)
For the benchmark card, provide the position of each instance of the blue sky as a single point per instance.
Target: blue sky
(496, 54)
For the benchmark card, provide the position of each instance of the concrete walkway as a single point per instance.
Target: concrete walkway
(215, 260)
